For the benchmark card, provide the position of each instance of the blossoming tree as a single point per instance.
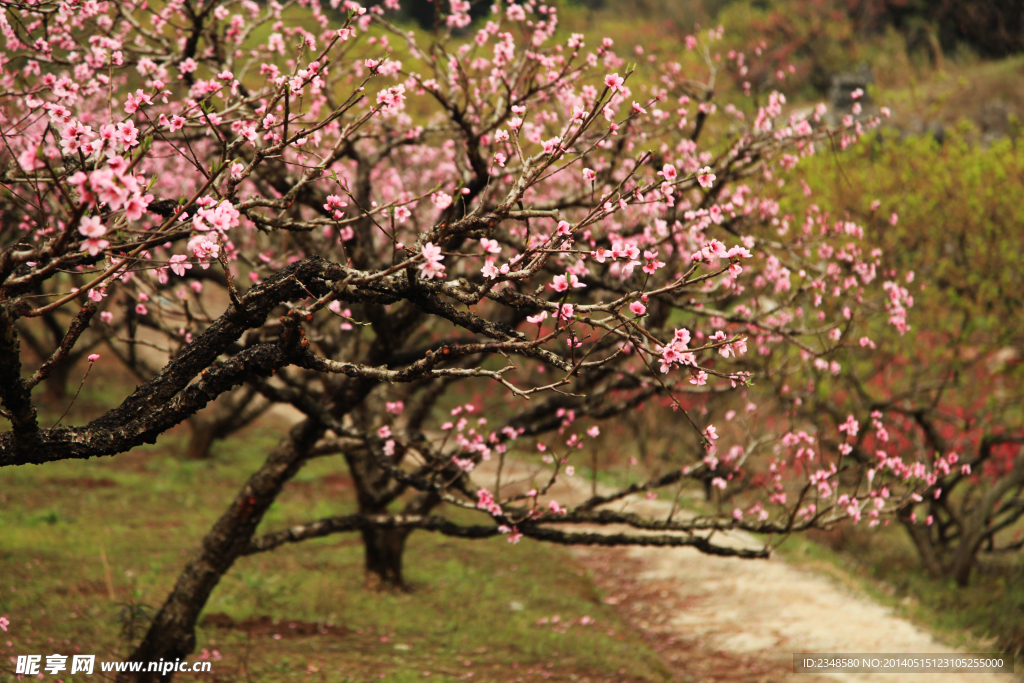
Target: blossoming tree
(308, 218)
(951, 388)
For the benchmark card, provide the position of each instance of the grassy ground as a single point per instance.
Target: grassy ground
(88, 548)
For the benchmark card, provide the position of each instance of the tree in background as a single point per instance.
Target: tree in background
(951, 388)
(368, 226)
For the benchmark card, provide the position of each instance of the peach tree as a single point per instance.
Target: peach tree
(312, 206)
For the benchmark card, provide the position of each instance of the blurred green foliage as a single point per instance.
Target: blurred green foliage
(959, 223)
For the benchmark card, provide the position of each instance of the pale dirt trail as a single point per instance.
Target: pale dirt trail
(749, 614)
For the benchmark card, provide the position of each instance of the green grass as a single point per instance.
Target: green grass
(81, 542)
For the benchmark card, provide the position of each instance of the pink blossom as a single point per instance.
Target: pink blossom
(136, 206)
(489, 270)
(637, 308)
(91, 226)
(221, 218)
(431, 266)
(705, 177)
(128, 134)
(614, 81)
(441, 200)
(851, 426)
(179, 264)
(203, 248)
(133, 102)
(93, 357)
(589, 175)
(537, 319)
(94, 246)
(560, 283)
(556, 508)
(551, 146)
(392, 99)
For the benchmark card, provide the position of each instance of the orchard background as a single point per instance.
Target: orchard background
(326, 328)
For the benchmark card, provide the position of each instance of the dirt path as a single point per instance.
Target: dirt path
(726, 619)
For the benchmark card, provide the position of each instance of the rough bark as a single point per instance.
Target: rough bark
(15, 395)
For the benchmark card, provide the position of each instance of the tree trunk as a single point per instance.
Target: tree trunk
(926, 551)
(963, 560)
(57, 383)
(230, 413)
(384, 548)
(201, 438)
(172, 636)
(977, 525)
